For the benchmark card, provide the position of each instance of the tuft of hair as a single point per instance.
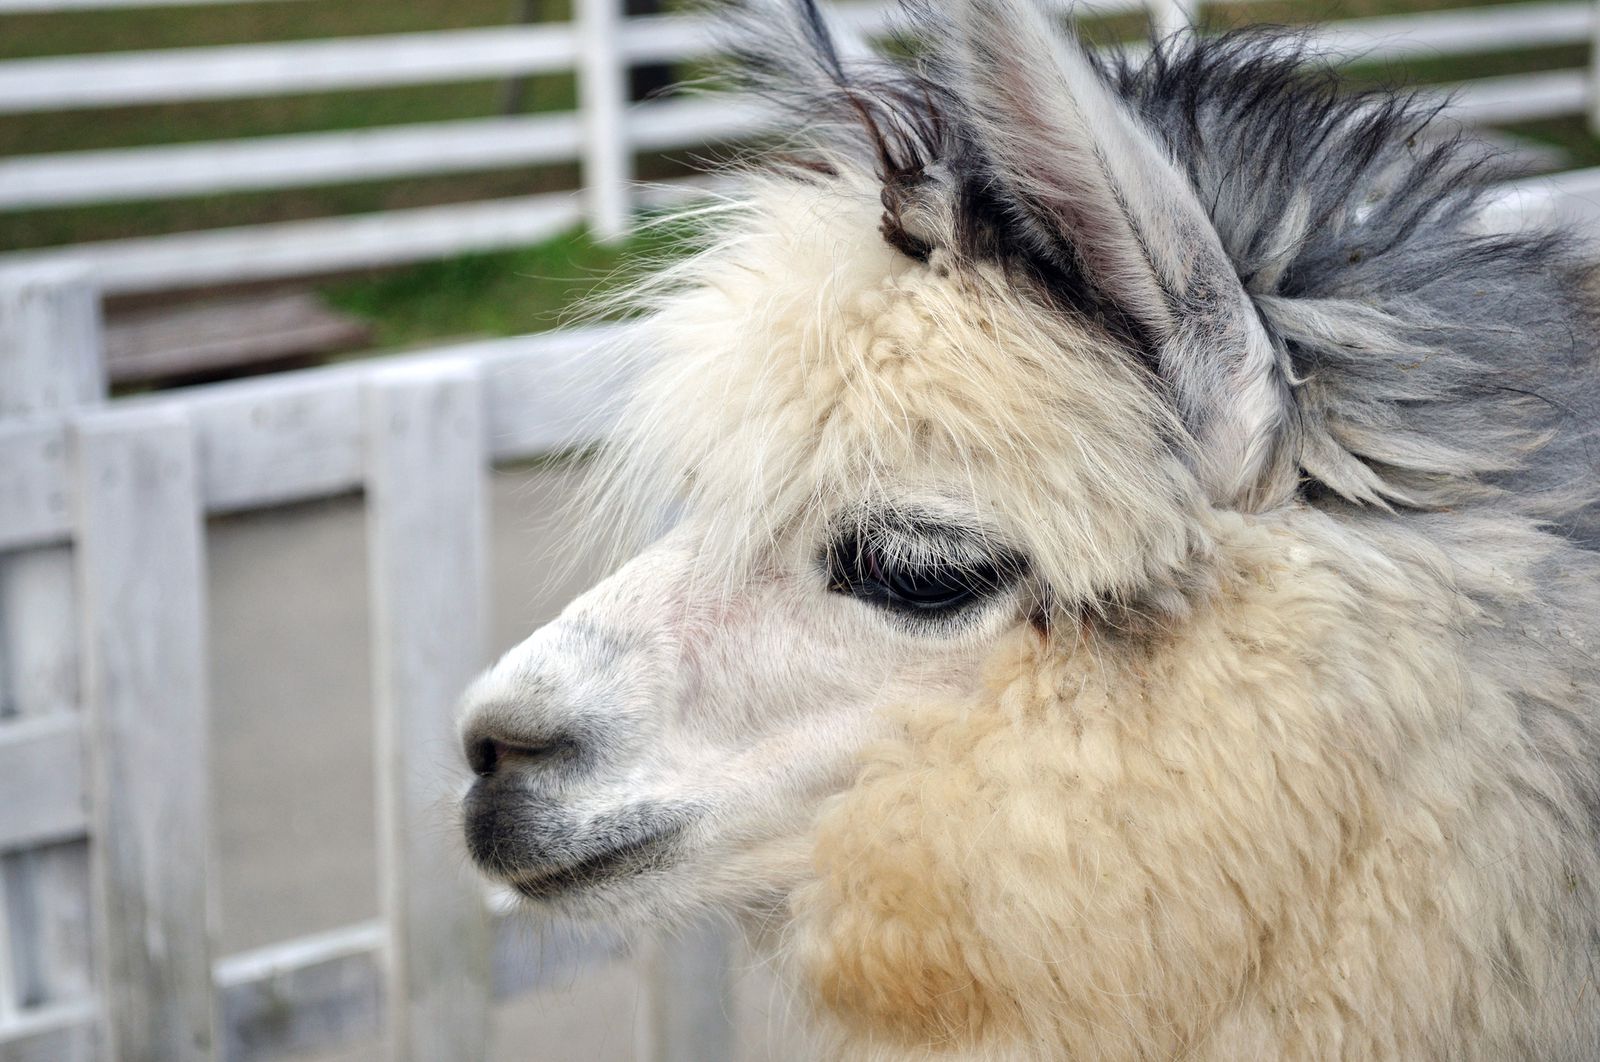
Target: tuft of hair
(1430, 364)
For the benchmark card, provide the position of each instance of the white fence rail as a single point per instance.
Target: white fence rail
(603, 135)
(102, 510)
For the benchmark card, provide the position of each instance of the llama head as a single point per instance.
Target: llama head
(1020, 364)
(978, 370)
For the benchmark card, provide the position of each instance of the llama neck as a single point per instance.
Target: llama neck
(1151, 847)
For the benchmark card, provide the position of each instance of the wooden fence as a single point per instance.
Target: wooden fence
(602, 135)
(106, 947)
(106, 944)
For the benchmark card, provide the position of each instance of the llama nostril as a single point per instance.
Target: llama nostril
(485, 755)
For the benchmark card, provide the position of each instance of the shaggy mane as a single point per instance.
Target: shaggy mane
(1435, 365)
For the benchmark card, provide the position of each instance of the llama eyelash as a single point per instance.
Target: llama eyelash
(920, 571)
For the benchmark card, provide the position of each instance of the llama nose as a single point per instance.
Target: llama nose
(488, 752)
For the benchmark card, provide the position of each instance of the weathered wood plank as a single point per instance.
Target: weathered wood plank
(296, 436)
(42, 793)
(665, 125)
(563, 393)
(319, 992)
(118, 79)
(309, 994)
(172, 171)
(1467, 31)
(607, 156)
(284, 438)
(42, 6)
(1594, 68)
(121, 78)
(1170, 17)
(296, 248)
(52, 1034)
(49, 338)
(426, 503)
(690, 999)
(50, 365)
(532, 954)
(34, 507)
(10, 997)
(1516, 97)
(141, 573)
(224, 334)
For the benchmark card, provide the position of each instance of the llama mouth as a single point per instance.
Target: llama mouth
(632, 857)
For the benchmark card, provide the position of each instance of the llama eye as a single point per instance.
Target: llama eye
(861, 568)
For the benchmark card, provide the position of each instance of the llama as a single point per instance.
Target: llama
(1132, 585)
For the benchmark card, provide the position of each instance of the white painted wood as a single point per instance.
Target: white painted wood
(682, 123)
(10, 995)
(1171, 17)
(49, 338)
(558, 395)
(310, 994)
(319, 992)
(297, 436)
(1594, 66)
(51, 1034)
(427, 528)
(689, 1000)
(121, 78)
(671, 38)
(609, 134)
(296, 248)
(230, 71)
(603, 101)
(1568, 200)
(1099, 7)
(322, 991)
(140, 569)
(33, 494)
(50, 364)
(175, 171)
(31, 7)
(1467, 31)
(532, 954)
(294, 437)
(1518, 97)
(42, 792)
(38, 602)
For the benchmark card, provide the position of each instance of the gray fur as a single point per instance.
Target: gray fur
(1433, 366)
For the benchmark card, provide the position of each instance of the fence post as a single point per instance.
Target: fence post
(427, 541)
(689, 999)
(50, 363)
(1169, 17)
(1594, 67)
(607, 162)
(141, 567)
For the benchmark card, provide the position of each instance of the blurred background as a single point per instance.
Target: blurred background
(228, 211)
(334, 177)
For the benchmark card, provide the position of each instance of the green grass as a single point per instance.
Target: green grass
(528, 290)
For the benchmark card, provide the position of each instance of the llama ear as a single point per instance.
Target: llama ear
(1087, 178)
